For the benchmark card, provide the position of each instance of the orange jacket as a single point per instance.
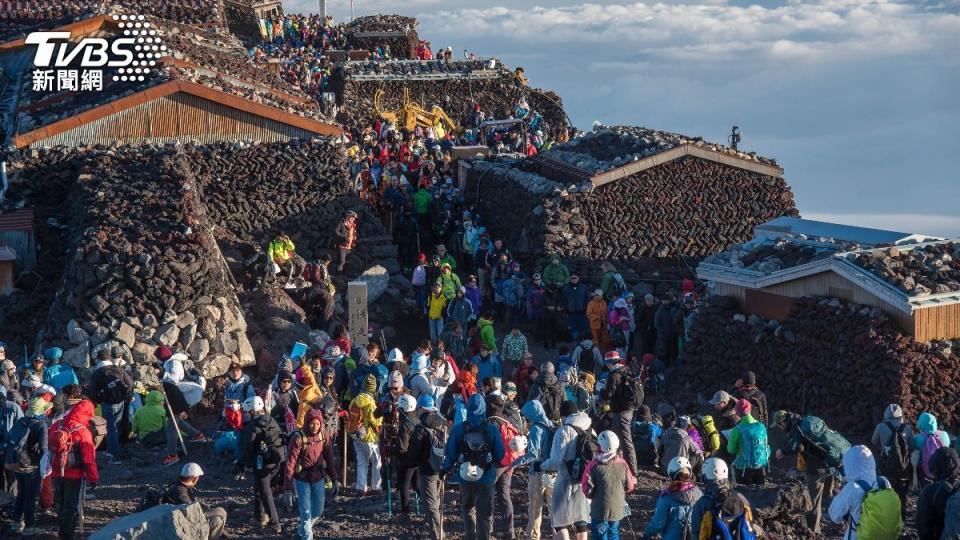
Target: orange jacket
(597, 314)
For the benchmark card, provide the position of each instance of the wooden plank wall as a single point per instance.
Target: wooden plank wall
(941, 322)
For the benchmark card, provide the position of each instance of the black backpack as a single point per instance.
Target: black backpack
(586, 449)
(586, 360)
(438, 443)
(476, 447)
(272, 446)
(18, 454)
(550, 398)
(153, 497)
(113, 389)
(894, 459)
(629, 394)
(645, 447)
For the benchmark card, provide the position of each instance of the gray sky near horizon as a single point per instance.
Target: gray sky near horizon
(858, 100)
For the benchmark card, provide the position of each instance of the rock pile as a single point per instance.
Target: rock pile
(145, 269)
(497, 96)
(767, 255)
(421, 67)
(930, 269)
(810, 362)
(689, 207)
(401, 47)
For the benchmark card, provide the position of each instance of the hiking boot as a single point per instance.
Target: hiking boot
(171, 459)
(199, 438)
(260, 522)
(277, 528)
(16, 527)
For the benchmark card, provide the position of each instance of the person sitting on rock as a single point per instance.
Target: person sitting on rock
(184, 491)
(346, 238)
(56, 374)
(171, 374)
(149, 420)
(282, 254)
(239, 389)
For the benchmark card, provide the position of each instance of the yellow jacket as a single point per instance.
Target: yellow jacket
(368, 405)
(280, 251)
(308, 395)
(436, 304)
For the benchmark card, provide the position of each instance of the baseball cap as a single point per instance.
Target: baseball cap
(720, 397)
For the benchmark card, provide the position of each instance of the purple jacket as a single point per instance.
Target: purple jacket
(473, 295)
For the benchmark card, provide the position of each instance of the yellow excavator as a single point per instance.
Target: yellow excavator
(411, 115)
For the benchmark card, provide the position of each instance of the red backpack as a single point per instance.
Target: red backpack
(62, 447)
(507, 433)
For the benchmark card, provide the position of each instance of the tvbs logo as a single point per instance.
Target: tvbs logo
(61, 65)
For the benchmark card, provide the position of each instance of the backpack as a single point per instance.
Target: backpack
(828, 443)
(507, 432)
(151, 498)
(951, 516)
(629, 395)
(894, 459)
(586, 361)
(113, 389)
(438, 444)
(732, 524)
(298, 467)
(586, 449)
(645, 443)
(550, 398)
(931, 443)
(708, 433)
(354, 423)
(16, 455)
(879, 512)
(754, 450)
(63, 450)
(272, 447)
(476, 447)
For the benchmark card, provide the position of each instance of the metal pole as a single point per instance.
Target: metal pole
(345, 440)
(351, 10)
(173, 418)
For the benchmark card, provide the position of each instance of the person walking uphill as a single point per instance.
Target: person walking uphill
(938, 507)
(72, 435)
(472, 450)
(261, 445)
(748, 442)
(673, 514)
(867, 503)
(110, 386)
(24, 461)
(891, 443)
(538, 449)
(928, 440)
(426, 445)
(606, 482)
(568, 504)
(719, 501)
(363, 426)
(436, 303)
(309, 463)
(346, 238)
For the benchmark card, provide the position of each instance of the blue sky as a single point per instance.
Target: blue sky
(859, 100)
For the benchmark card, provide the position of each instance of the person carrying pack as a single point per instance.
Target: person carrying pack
(891, 443)
(938, 506)
(537, 451)
(748, 442)
(472, 449)
(26, 445)
(867, 503)
(73, 463)
(262, 450)
(568, 505)
(926, 442)
(646, 437)
(363, 426)
(309, 464)
(110, 387)
(722, 513)
(427, 448)
(496, 406)
(673, 514)
(709, 434)
(624, 393)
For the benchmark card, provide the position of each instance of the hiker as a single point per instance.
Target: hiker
(746, 388)
(474, 294)
(172, 374)
(184, 491)
(676, 442)
(149, 421)
(70, 480)
(309, 463)
(646, 333)
(549, 392)
(421, 378)
(26, 445)
(928, 440)
(822, 450)
(503, 475)
(569, 384)
(453, 406)
(405, 466)
(574, 298)
(597, 319)
(459, 309)
(512, 349)
(419, 281)
(568, 504)
(436, 303)
(363, 426)
(586, 357)
(511, 410)
(449, 282)
(620, 323)
(748, 442)
(538, 448)
(238, 390)
(284, 402)
(9, 379)
(426, 450)
(10, 414)
(514, 297)
(673, 514)
(488, 364)
(606, 482)
(57, 374)
(646, 437)
(473, 448)
(720, 502)
(891, 442)
(623, 393)
(556, 275)
(345, 238)
(663, 323)
(938, 506)
(110, 387)
(726, 410)
(486, 331)
(879, 519)
(36, 367)
(261, 445)
(283, 256)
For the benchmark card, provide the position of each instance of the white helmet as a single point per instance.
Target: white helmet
(678, 464)
(406, 403)
(395, 355)
(715, 469)
(191, 470)
(608, 442)
(470, 472)
(253, 404)
(518, 444)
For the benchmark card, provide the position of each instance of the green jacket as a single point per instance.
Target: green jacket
(556, 274)
(279, 252)
(607, 283)
(421, 201)
(151, 417)
(486, 333)
(449, 283)
(448, 259)
(733, 443)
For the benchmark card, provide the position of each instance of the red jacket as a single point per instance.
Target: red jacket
(79, 415)
(315, 457)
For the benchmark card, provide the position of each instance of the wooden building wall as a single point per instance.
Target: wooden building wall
(179, 117)
(941, 322)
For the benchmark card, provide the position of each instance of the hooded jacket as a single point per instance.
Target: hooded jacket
(368, 405)
(556, 274)
(858, 466)
(460, 309)
(476, 416)
(927, 424)
(931, 504)
(79, 417)
(883, 433)
(606, 482)
(151, 417)
(674, 512)
(569, 505)
(487, 367)
(449, 283)
(313, 453)
(11, 413)
(59, 375)
(485, 327)
(677, 442)
(538, 439)
(420, 443)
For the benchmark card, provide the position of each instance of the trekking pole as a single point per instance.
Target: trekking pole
(442, 484)
(173, 418)
(389, 491)
(345, 440)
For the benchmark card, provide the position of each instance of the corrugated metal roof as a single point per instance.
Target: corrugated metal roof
(787, 225)
(17, 220)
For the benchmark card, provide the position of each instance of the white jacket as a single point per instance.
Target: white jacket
(568, 505)
(858, 465)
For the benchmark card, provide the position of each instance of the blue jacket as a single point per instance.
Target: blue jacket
(487, 368)
(59, 375)
(673, 514)
(11, 413)
(539, 438)
(575, 298)
(476, 415)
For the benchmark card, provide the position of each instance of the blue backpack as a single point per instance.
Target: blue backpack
(729, 519)
(754, 449)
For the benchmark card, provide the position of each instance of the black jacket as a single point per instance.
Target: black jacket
(175, 398)
(408, 423)
(180, 494)
(420, 447)
(759, 401)
(261, 429)
(98, 380)
(945, 465)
